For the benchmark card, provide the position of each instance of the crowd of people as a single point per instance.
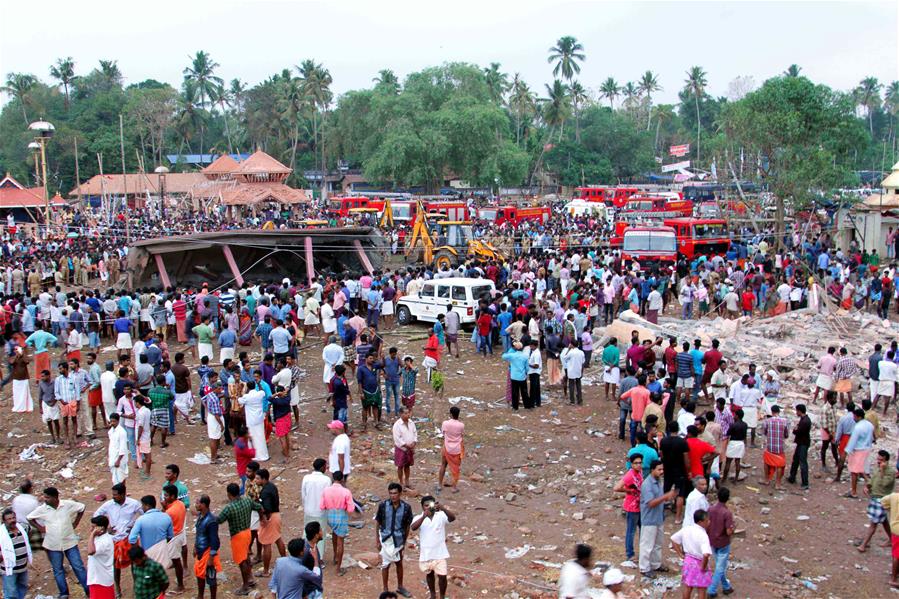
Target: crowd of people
(188, 355)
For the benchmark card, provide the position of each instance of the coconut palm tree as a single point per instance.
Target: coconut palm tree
(64, 72)
(567, 53)
(648, 85)
(556, 106)
(316, 85)
(793, 70)
(521, 102)
(695, 85)
(664, 114)
(867, 94)
(578, 96)
(190, 118)
(497, 83)
(611, 90)
(201, 73)
(891, 106)
(222, 96)
(19, 86)
(387, 80)
(631, 94)
(112, 76)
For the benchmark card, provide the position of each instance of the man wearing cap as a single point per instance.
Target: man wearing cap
(339, 456)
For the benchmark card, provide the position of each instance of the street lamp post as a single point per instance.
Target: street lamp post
(161, 171)
(36, 151)
(43, 131)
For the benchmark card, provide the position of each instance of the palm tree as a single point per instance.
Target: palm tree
(695, 85)
(387, 80)
(556, 106)
(64, 72)
(521, 101)
(112, 76)
(201, 73)
(631, 94)
(664, 113)
(792, 70)
(567, 53)
(19, 86)
(611, 90)
(891, 106)
(316, 85)
(578, 96)
(189, 118)
(867, 94)
(649, 84)
(222, 96)
(497, 83)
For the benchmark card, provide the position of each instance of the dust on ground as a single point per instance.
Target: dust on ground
(533, 484)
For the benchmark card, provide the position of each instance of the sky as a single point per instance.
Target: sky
(836, 43)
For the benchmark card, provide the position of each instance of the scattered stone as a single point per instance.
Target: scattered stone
(577, 516)
(510, 497)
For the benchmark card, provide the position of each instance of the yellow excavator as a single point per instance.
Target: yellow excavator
(449, 243)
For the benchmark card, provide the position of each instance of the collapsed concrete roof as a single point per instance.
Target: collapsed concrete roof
(229, 257)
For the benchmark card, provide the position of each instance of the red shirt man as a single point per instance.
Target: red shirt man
(698, 450)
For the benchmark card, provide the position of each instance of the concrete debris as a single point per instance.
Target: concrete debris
(517, 552)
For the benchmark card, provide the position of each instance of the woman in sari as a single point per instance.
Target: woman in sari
(245, 330)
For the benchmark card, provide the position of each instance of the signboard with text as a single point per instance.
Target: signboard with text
(681, 150)
(670, 168)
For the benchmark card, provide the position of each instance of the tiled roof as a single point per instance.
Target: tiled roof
(260, 163)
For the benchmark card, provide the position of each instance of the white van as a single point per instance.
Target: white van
(436, 294)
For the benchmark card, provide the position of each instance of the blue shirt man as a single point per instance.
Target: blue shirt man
(227, 338)
(153, 527)
(290, 576)
(518, 364)
(280, 338)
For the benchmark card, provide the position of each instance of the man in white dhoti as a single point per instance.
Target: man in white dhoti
(255, 417)
(117, 452)
(332, 355)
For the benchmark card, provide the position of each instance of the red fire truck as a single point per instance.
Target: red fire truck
(693, 237)
(452, 210)
(610, 196)
(515, 214)
(655, 207)
(648, 244)
(700, 236)
(341, 206)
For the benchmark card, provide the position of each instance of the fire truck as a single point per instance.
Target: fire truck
(700, 236)
(341, 206)
(649, 244)
(610, 196)
(451, 210)
(514, 214)
(693, 237)
(655, 207)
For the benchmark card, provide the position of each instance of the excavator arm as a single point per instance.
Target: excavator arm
(421, 234)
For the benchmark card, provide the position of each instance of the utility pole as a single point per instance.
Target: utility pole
(124, 181)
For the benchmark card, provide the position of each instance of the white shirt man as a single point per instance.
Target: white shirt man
(107, 390)
(255, 418)
(696, 500)
(573, 362)
(340, 446)
(432, 538)
(404, 433)
(329, 323)
(332, 355)
(574, 581)
(118, 453)
(654, 301)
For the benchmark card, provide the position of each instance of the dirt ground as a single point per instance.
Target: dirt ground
(537, 482)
